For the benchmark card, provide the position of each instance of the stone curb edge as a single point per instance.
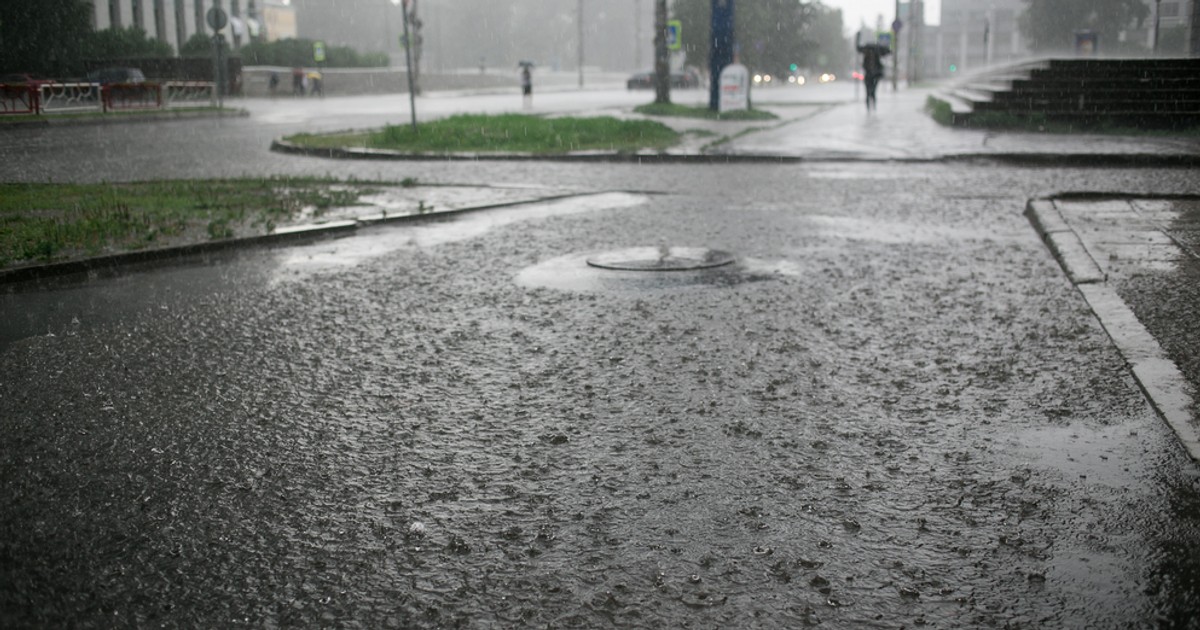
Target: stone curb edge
(120, 119)
(1093, 160)
(1160, 380)
(282, 235)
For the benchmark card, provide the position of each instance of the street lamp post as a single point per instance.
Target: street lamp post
(412, 97)
(1157, 13)
(579, 22)
(896, 53)
(637, 38)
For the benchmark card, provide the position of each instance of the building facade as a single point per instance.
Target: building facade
(176, 21)
(975, 34)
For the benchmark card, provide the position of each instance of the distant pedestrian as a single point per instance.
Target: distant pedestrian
(873, 55)
(297, 82)
(273, 83)
(527, 84)
(315, 81)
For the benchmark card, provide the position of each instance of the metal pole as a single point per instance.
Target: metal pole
(637, 38)
(412, 97)
(896, 53)
(579, 19)
(662, 58)
(1157, 10)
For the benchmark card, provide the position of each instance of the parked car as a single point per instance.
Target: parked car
(104, 76)
(680, 80)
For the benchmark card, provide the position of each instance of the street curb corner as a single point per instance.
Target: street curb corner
(1063, 242)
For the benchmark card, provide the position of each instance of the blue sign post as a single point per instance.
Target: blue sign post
(721, 48)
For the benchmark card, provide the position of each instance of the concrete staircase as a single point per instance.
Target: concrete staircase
(1083, 93)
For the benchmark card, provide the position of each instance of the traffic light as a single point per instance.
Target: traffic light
(953, 67)
(793, 67)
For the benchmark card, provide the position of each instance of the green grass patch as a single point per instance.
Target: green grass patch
(506, 133)
(45, 222)
(689, 111)
(939, 110)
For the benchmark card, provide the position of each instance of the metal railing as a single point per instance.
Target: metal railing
(68, 97)
(54, 97)
(18, 99)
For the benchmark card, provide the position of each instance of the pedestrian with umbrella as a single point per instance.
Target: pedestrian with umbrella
(873, 55)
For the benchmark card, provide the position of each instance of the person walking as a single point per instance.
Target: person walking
(527, 84)
(315, 81)
(298, 82)
(873, 55)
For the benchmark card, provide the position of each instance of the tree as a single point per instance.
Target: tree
(200, 45)
(1050, 25)
(44, 37)
(771, 34)
(124, 43)
(299, 52)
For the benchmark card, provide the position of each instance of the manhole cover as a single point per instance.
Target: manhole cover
(661, 259)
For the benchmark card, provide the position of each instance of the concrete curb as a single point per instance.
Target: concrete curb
(1160, 380)
(337, 153)
(281, 235)
(119, 119)
(1074, 160)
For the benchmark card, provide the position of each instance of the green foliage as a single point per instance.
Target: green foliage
(43, 37)
(200, 45)
(299, 52)
(42, 222)
(1050, 25)
(939, 110)
(507, 133)
(772, 34)
(124, 43)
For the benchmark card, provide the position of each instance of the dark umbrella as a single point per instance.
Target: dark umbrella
(882, 50)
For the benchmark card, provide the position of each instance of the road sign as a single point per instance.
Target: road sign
(897, 25)
(735, 88)
(318, 52)
(216, 18)
(884, 39)
(674, 34)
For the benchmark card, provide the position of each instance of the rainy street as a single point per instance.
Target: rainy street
(892, 408)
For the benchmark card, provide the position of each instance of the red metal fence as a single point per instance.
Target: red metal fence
(19, 98)
(125, 96)
(50, 97)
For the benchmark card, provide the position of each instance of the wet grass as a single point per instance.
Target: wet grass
(507, 133)
(47, 222)
(688, 111)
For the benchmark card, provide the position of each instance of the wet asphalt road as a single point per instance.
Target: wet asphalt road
(893, 411)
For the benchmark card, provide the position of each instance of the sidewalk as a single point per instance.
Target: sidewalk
(901, 130)
(1135, 261)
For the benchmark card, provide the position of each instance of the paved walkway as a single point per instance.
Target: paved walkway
(901, 130)
(1135, 262)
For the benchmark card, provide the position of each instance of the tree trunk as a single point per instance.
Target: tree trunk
(1194, 27)
(662, 59)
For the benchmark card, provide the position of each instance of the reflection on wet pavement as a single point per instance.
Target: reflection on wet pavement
(915, 421)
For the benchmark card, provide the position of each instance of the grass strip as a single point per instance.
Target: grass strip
(505, 133)
(688, 111)
(47, 222)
